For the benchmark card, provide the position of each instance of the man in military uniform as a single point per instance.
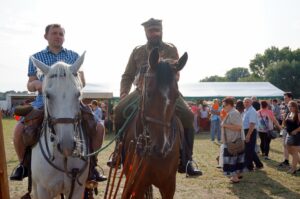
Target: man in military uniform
(137, 64)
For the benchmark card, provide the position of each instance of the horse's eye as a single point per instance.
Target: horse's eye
(77, 95)
(47, 95)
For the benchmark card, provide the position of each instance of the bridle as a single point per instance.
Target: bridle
(144, 142)
(49, 123)
(146, 118)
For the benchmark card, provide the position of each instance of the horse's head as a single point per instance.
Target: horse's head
(62, 91)
(160, 92)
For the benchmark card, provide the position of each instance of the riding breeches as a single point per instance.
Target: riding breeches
(182, 111)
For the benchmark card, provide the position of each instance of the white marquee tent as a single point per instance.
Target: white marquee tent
(208, 90)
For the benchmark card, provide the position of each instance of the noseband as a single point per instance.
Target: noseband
(54, 121)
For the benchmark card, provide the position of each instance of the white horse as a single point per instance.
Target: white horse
(57, 165)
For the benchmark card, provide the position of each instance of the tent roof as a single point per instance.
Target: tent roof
(94, 91)
(234, 89)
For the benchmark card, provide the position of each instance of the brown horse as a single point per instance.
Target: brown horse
(152, 140)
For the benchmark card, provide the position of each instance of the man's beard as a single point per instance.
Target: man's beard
(155, 41)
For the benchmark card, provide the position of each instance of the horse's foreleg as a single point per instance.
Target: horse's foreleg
(77, 193)
(42, 193)
(34, 190)
(135, 189)
(167, 191)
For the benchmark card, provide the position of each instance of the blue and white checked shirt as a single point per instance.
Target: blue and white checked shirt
(49, 58)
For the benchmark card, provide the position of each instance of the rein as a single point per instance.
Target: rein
(75, 173)
(144, 138)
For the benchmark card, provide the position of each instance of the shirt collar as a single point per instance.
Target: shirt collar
(47, 50)
(247, 109)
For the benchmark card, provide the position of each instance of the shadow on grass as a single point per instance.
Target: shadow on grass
(202, 136)
(274, 164)
(275, 151)
(259, 185)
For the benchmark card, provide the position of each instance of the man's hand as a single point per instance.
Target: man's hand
(34, 85)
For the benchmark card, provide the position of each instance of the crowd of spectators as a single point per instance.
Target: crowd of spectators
(254, 121)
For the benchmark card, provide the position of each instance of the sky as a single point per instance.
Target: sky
(218, 35)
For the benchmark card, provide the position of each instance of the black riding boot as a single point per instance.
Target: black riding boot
(186, 154)
(94, 174)
(21, 171)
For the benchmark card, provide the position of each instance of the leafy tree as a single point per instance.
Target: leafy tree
(272, 55)
(285, 75)
(235, 74)
(214, 78)
(251, 78)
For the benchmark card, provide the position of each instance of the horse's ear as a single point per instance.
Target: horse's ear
(154, 58)
(182, 61)
(40, 65)
(75, 67)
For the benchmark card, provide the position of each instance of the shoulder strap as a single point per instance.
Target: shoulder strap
(225, 137)
(263, 120)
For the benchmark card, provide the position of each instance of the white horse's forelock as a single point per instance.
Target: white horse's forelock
(58, 72)
(61, 69)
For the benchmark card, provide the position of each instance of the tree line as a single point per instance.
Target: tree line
(281, 67)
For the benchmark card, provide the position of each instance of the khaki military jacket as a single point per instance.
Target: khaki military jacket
(139, 58)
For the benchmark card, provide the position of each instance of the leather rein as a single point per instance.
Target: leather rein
(145, 137)
(75, 173)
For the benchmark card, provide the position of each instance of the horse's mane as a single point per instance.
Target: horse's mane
(164, 74)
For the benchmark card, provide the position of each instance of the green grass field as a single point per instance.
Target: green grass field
(266, 183)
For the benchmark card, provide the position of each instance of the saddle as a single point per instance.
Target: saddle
(23, 110)
(33, 125)
(88, 120)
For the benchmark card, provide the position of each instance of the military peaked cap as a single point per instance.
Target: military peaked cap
(152, 23)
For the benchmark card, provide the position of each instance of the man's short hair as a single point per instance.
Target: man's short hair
(288, 94)
(228, 101)
(247, 99)
(55, 25)
(253, 98)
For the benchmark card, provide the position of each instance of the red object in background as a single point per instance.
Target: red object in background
(195, 109)
(17, 117)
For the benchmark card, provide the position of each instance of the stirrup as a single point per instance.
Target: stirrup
(19, 166)
(190, 162)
